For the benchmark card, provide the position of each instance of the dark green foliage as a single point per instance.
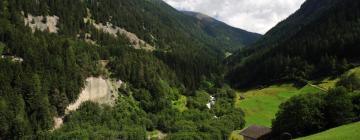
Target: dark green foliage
(356, 102)
(311, 113)
(199, 100)
(127, 120)
(301, 115)
(318, 40)
(191, 72)
(2, 47)
(351, 82)
(124, 121)
(49, 78)
(339, 107)
(139, 67)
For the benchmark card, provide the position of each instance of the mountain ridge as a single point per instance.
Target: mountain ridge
(323, 43)
(224, 32)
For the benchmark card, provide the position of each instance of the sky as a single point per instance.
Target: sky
(252, 15)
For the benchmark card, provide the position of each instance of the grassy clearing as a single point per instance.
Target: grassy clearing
(180, 104)
(261, 105)
(345, 132)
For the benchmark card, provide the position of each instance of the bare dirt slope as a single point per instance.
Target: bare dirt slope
(98, 90)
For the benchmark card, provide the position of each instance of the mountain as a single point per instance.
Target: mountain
(229, 36)
(320, 39)
(168, 68)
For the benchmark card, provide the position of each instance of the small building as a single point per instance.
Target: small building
(256, 132)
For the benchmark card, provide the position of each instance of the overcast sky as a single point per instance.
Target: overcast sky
(252, 15)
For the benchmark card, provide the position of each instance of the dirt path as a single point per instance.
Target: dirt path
(318, 87)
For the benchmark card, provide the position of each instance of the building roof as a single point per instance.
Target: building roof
(255, 131)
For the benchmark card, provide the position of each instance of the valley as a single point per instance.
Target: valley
(143, 70)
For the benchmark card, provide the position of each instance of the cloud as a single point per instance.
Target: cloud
(252, 15)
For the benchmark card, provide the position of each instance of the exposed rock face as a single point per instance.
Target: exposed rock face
(39, 23)
(98, 90)
(58, 122)
(115, 31)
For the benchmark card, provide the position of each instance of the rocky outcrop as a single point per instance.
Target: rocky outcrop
(98, 90)
(47, 23)
(113, 30)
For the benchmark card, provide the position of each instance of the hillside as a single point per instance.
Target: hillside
(225, 34)
(52, 66)
(348, 132)
(140, 69)
(316, 41)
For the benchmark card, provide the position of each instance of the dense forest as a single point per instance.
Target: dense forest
(318, 40)
(42, 72)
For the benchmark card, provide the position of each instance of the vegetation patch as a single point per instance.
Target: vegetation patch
(235, 135)
(180, 104)
(2, 47)
(345, 132)
(329, 82)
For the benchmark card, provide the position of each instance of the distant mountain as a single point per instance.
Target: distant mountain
(226, 34)
(320, 39)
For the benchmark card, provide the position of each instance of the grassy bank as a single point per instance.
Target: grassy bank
(345, 132)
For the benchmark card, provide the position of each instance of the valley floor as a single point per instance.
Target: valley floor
(261, 104)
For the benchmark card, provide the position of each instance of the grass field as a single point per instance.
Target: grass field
(261, 105)
(345, 132)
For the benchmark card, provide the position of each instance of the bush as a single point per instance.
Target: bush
(301, 115)
(351, 82)
(356, 102)
(339, 107)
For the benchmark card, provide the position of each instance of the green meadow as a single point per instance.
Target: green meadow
(261, 105)
(345, 132)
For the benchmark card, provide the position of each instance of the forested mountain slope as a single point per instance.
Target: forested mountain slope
(225, 34)
(49, 47)
(320, 39)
